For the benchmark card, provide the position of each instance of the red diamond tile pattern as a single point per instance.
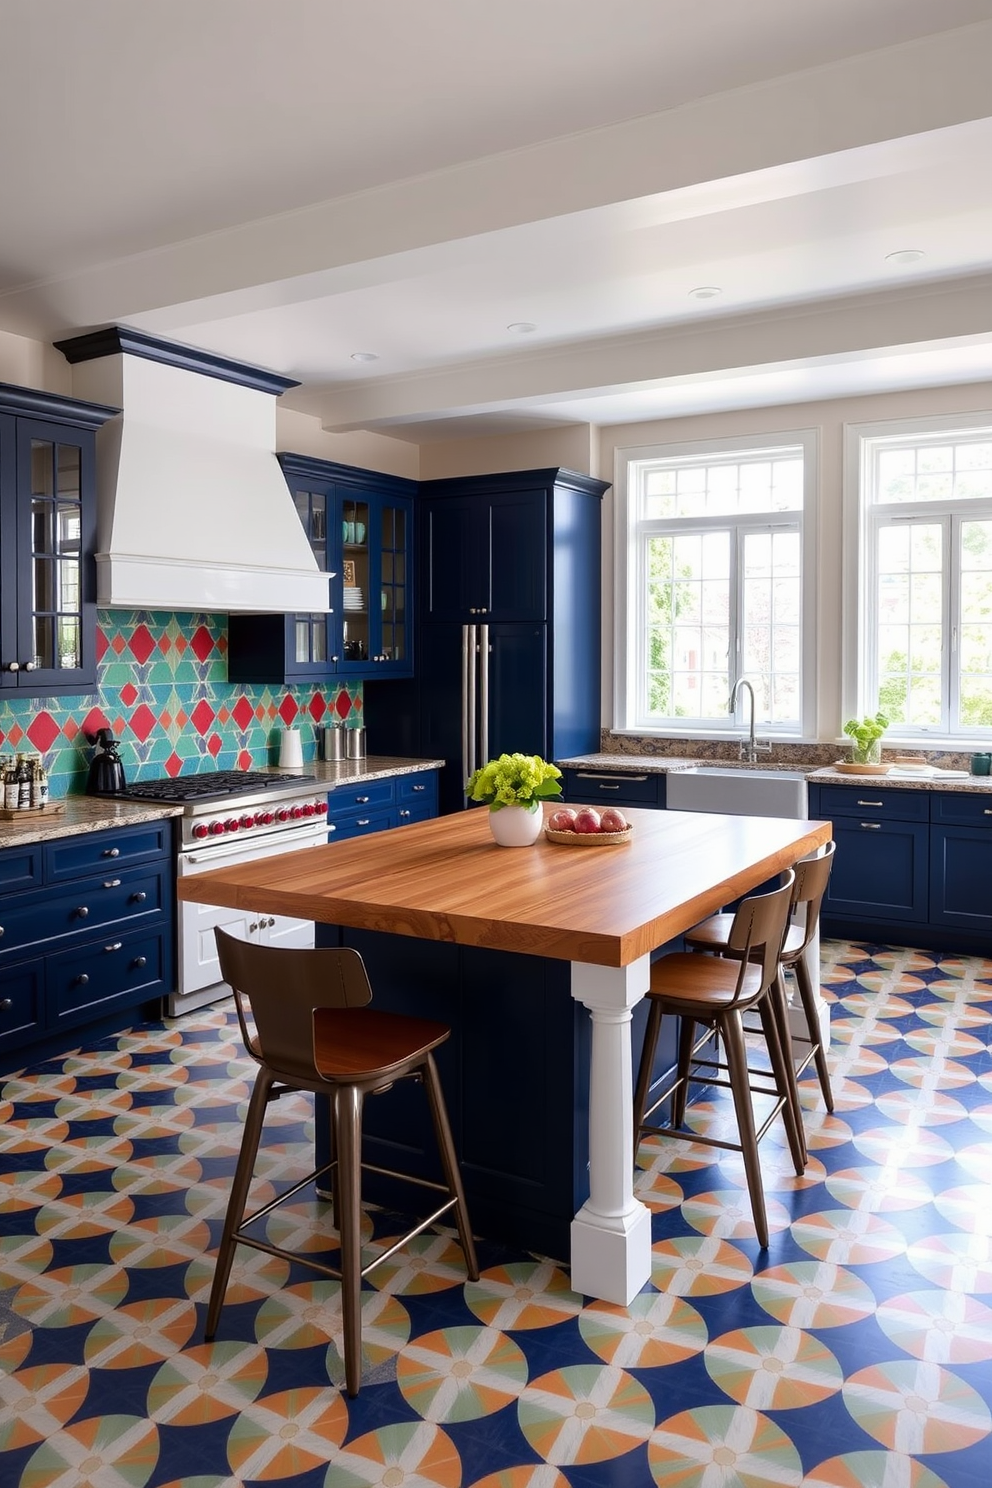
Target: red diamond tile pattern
(141, 644)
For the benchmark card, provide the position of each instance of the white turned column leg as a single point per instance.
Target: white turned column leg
(611, 1234)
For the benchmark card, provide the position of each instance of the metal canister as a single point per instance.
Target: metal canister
(334, 743)
(355, 744)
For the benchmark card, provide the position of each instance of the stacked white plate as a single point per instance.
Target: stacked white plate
(353, 599)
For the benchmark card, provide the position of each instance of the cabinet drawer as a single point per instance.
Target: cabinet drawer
(607, 787)
(416, 790)
(344, 798)
(961, 877)
(31, 919)
(72, 857)
(22, 1003)
(414, 812)
(870, 803)
(362, 823)
(21, 868)
(966, 810)
(91, 980)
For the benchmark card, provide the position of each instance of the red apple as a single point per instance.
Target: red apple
(613, 820)
(587, 820)
(562, 820)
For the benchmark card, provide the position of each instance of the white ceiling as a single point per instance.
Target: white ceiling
(289, 184)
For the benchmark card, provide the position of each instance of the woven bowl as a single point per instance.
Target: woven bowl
(589, 839)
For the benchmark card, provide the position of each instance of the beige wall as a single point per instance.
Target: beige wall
(33, 364)
(303, 435)
(575, 446)
(829, 418)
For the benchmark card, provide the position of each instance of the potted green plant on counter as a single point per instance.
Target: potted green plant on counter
(866, 739)
(513, 787)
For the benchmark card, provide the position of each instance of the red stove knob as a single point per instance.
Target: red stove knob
(200, 830)
(282, 814)
(321, 808)
(296, 812)
(309, 809)
(264, 818)
(232, 824)
(247, 821)
(216, 828)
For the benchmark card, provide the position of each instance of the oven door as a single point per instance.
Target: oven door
(198, 976)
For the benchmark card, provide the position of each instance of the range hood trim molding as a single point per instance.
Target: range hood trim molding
(113, 340)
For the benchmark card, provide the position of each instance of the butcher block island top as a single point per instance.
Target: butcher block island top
(446, 879)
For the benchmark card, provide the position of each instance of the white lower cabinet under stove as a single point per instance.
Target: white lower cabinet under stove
(198, 972)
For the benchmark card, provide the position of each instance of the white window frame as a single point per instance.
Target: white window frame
(859, 682)
(629, 599)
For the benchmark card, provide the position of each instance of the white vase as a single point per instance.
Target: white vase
(516, 826)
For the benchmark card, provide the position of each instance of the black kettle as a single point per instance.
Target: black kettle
(106, 777)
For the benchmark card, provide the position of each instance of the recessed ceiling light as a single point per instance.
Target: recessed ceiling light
(905, 256)
(705, 292)
(521, 327)
(364, 356)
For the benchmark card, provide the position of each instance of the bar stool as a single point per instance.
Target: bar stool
(313, 1030)
(715, 991)
(812, 877)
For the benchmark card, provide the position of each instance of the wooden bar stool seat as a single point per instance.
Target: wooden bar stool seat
(312, 1029)
(716, 991)
(812, 877)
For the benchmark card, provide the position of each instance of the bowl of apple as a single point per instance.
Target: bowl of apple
(587, 827)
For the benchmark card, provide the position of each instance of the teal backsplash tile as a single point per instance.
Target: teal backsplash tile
(162, 687)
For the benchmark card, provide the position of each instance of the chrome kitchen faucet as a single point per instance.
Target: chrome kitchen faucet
(752, 748)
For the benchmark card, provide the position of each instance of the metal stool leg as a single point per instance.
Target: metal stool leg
(452, 1172)
(348, 1124)
(733, 1038)
(238, 1200)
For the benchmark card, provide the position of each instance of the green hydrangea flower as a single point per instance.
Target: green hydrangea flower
(514, 780)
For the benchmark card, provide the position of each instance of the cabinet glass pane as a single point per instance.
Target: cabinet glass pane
(42, 525)
(319, 642)
(44, 641)
(318, 519)
(43, 597)
(42, 468)
(67, 458)
(70, 643)
(69, 576)
(302, 632)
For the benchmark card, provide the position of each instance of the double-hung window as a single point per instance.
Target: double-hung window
(920, 518)
(714, 583)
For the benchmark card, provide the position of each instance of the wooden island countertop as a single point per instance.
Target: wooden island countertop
(507, 946)
(446, 879)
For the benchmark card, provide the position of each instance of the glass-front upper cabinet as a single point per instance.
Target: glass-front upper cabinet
(359, 525)
(48, 531)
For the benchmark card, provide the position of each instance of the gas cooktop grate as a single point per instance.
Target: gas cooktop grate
(215, 786)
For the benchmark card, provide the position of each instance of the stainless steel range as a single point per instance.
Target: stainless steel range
(233, 816)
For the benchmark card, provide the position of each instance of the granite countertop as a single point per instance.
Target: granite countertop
(660, 764)
(94, 813)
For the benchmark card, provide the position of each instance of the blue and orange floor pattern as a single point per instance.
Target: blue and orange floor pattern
(856, 1352)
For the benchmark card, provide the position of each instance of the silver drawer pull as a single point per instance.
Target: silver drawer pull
(985, 812)
(80, 980)
(363, 821)
(5, 1004)
(871, 826)
(603, 785)
(871, 803)
(139, 897)
(253, 927)
(112, 883)
(404, 812)
(82, 911)
(362, 800)
(111, 852)
(1, 929)
(139, 962)
(115, 946)
(420, 787)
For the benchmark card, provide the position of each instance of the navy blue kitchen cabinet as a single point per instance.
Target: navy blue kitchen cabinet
(601, 788)
(360, 808)
(359, 524)
(912, 866)
(961, 862)
(508, 625)
(86, 931)
(47, 541)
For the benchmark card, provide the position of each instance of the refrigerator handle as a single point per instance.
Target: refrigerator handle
(483, 693)
(468, 703)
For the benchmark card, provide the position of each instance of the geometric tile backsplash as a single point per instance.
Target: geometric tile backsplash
(162, 688)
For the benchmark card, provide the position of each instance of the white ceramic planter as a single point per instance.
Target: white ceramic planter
(515, 826)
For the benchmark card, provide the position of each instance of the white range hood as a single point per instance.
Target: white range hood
(194, 512)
